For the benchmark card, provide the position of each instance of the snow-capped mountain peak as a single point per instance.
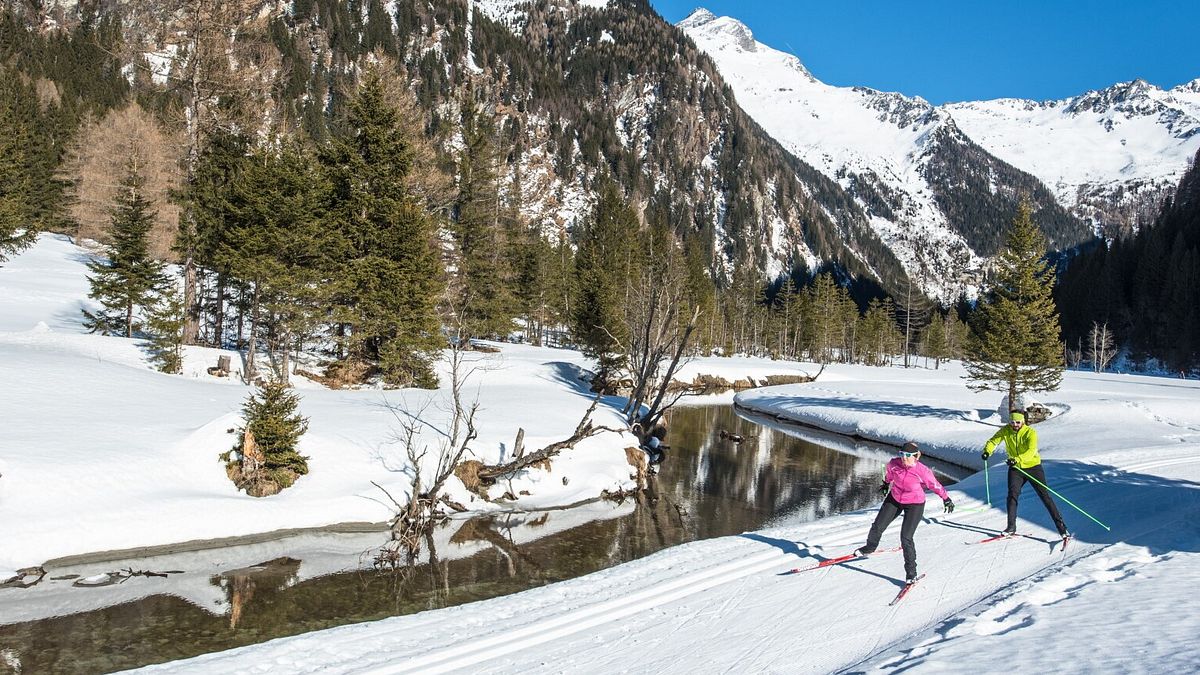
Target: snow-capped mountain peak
(698, 17)
(1107, 156)
(727, 33)
(1192, 87)
(879, 146)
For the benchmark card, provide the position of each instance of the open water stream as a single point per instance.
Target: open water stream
(217, 599)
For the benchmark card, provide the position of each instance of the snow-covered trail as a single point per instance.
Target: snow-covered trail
(725, 605)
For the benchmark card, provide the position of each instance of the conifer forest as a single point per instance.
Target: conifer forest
(320, 181)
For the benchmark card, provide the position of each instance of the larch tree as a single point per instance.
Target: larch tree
(212, 42)
(1015, 344)
(96, 160)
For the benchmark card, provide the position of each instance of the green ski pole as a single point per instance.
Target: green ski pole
(1068, 501)
(987, 486)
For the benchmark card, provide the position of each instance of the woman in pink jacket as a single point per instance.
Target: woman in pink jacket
(904, 485)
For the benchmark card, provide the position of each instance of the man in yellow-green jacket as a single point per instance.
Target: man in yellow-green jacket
(1020, 443)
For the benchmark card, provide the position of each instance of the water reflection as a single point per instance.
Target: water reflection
(709, 486)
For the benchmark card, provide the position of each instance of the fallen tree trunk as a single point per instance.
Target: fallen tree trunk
(585, 429)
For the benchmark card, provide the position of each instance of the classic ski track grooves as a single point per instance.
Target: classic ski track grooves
(585, 617)
(592, 615)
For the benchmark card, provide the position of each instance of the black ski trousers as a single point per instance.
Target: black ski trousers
(912, 517)
(1016, 481)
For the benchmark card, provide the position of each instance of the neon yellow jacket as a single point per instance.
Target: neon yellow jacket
(1020, 445)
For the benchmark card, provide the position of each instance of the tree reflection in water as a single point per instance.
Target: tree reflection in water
(708, 487)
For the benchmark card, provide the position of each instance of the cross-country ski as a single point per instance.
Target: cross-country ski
(908, 586)
(839, 560)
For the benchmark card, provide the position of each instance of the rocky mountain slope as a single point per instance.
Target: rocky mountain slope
(937, 198)
(1107, 157)
(1110, 156)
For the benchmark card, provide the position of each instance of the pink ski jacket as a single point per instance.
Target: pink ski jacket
(909, 485)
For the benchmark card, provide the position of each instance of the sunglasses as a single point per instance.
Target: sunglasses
(906, 455)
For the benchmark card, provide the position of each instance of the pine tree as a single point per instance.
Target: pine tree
(164, 326)
(129, 277)
(266, 454)
(1015, 344)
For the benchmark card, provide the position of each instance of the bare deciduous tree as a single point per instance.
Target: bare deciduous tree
(1101, 346)
(99, 157)
(659, 330)
(431, 466)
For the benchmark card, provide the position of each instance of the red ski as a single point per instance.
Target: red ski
(904, 591)
(998, 538)
(839, 560)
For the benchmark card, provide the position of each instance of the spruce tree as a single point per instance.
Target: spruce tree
(823, 330)
(934, 343)
(387, 279)
(274, 427)
(164, 326)
(1015, 344)
(17, 229)
(276, 243)
(483, 292)
(129, 277)
(702, 291)
(605, 264)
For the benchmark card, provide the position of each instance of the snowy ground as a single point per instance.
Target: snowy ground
(101, 453)
(1125, 448)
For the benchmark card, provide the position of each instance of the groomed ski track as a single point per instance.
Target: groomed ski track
(727, 599)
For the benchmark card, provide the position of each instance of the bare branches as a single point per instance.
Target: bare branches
(659, 337)
(416, 518)
(585, 429)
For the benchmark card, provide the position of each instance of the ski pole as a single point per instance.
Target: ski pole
(987, 486)
(1068, 501)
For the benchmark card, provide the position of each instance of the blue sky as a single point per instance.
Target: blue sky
(975, 49)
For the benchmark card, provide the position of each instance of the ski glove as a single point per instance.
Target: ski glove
(949, 505)
(884, 488)
(1010, 462)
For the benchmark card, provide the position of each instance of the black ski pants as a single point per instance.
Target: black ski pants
(1016, 481)
(912, 517)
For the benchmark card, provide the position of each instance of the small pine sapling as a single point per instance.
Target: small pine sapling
(164, 325)
(265, 460)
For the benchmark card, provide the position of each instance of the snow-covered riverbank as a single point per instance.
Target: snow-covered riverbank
(100, 453)
(1127, 449)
